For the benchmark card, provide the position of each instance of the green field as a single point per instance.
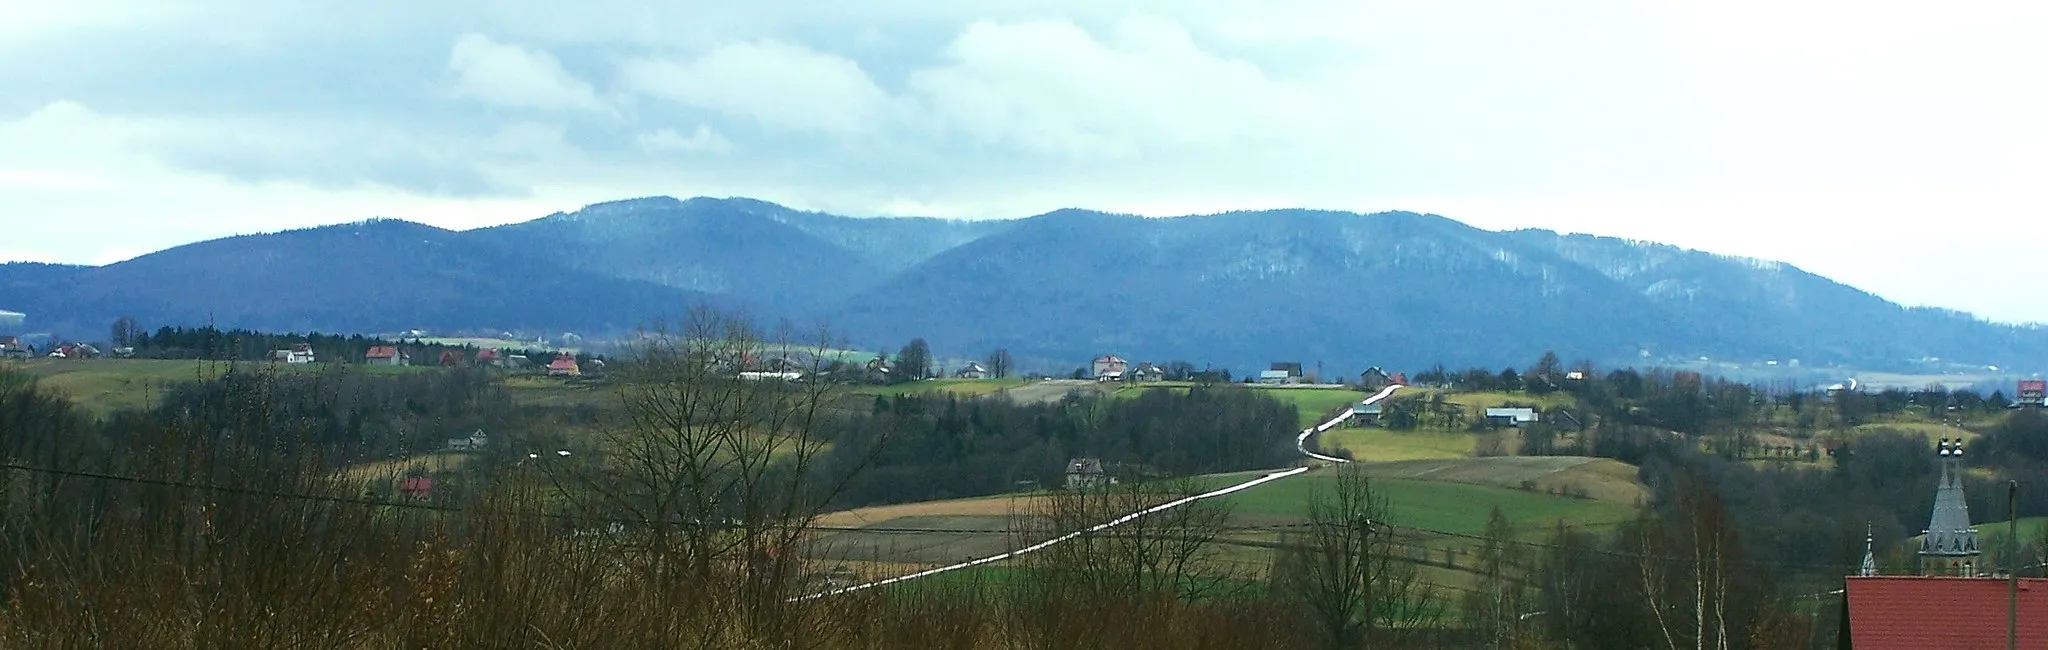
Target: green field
(1378, 444)
(102, 386)
(1314, 402)
(1435, 505)
(959, 387)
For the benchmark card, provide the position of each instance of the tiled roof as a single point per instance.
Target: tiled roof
(381, 352)
(1895, 612)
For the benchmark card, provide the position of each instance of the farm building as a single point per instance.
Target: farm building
(1083, 473)
(564, 365)
(474, 442)
(1108, 367)
(1374, 378)
(298, 353)
(1148, 372)
(972, 371)
(387, 355)
(1514, 416)
(1275, 377)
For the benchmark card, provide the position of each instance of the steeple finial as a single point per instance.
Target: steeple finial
(1869, 559)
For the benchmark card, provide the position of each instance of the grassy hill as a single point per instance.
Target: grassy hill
(102, 386)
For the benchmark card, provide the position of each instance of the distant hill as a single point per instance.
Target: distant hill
(1236, 289)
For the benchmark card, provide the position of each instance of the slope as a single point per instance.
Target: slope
(376, 275)
(1245, 288)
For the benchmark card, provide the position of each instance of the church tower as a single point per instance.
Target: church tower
(1949, 547)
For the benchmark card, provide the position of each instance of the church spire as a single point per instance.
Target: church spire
(1869, 559)
(1950, 541)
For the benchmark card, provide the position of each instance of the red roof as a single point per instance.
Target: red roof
(487, 354)
(1916, 613)
(381, 352)
(563, 362)
(416, 484)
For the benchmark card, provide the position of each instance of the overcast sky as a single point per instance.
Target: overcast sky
(1895, 148)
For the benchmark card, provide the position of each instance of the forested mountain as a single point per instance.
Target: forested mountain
(1236, 289)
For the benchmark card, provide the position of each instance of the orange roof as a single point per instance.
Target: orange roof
(381, 352)
(1917, 613)
(563, 361)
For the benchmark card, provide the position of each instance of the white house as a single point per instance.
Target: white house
(1511, 416)
(1109, 367)
(475, 441)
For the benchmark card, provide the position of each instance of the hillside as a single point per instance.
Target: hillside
(1236, 290)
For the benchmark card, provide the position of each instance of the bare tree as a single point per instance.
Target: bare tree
(1344, 575)
(1494, 607)
(711, 466)
(999, 363)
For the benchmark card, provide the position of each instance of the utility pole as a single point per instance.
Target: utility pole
(2012, 570)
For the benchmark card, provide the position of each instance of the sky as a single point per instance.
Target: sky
(1896, 147)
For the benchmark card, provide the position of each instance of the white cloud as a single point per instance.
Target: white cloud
(511, 75)
(1750, 127)
(703, 140)
(774, 84)
(1050, 87)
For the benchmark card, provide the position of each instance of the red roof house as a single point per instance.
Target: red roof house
(418, 488)
(488, 357)
(386, 355)
(564, 365)
(1941, 613)
(451, 358)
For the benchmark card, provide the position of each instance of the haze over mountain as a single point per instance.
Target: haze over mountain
(1235, 289)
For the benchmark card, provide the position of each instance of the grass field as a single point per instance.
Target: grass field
(1314, 402)
(1436, 505)
(1381, 444)
(959, 387)
(1477, 402)
(103, 386)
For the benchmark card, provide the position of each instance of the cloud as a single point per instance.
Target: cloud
(510, 75)
(770, 83)
(1050, 87)
(704, 140)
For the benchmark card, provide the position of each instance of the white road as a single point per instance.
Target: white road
(1300, 444)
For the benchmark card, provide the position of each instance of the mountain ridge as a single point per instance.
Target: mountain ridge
(1240, 287)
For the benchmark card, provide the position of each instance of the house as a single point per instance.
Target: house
(11, 347)
(1292, 368)
(1374, 378)
(1941, 613)
(1148, 372)
(298, 353)
(1275, 377)
(1513, 416)
(1365, 413)
(1399, 378)
(475, 441)
(1108, 367)
(417, 488)
(488, 357)
(387, 355)
(564, 365)
(1579, 375)
(2031, 393)
(972, 371)
(75, 351)
(1084, 473)
(516, 361)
